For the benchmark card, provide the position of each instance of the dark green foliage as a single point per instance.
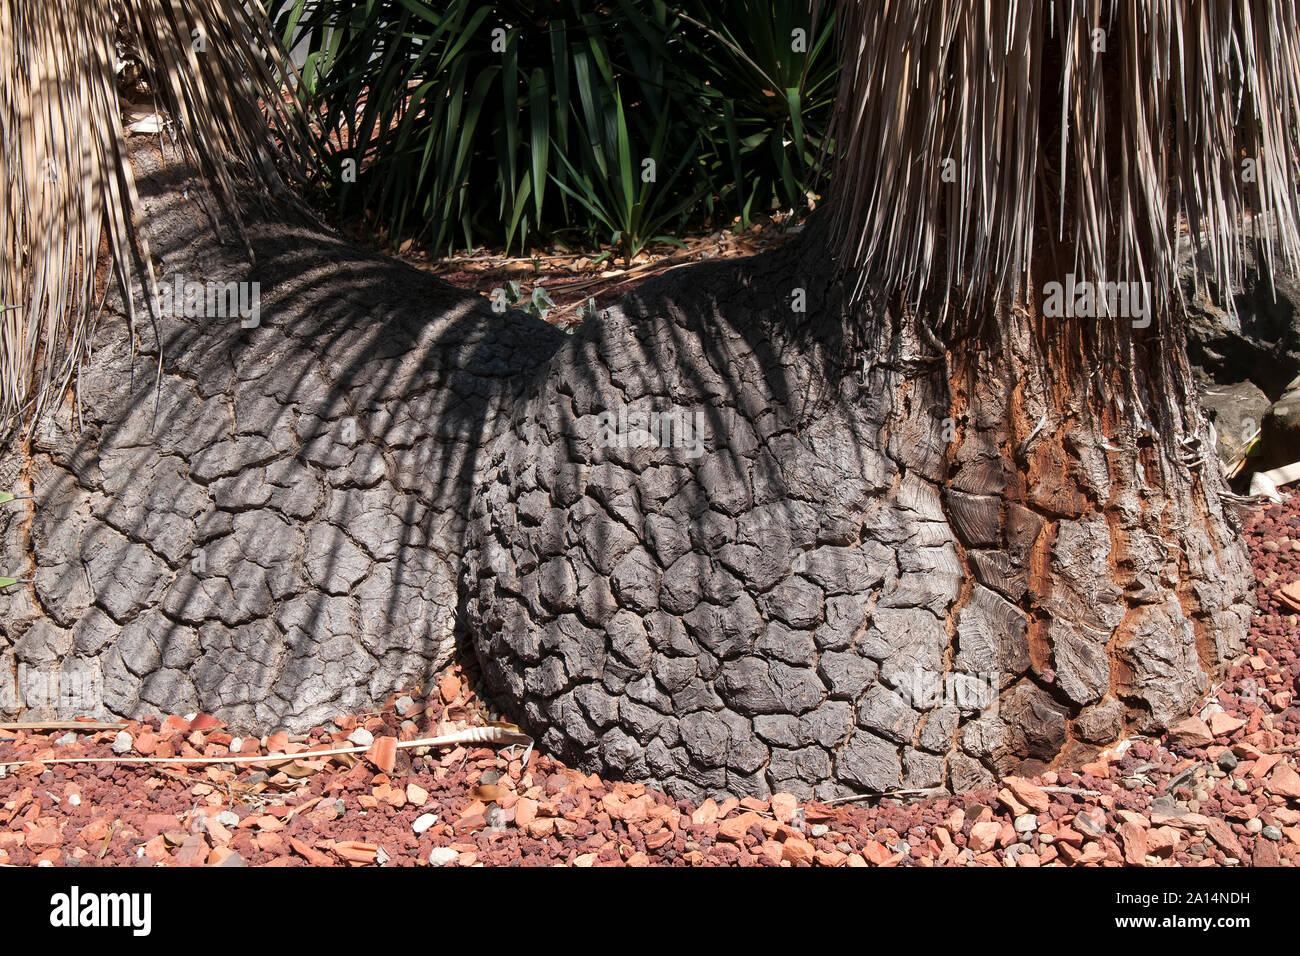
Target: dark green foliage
(505, 122)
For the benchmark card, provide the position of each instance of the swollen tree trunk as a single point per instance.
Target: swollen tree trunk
(272, 529)
(881, 565)
(760, 527)
(834, 563)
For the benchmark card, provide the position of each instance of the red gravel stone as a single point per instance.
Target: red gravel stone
(547, 813)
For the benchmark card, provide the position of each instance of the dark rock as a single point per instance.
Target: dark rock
(1238, 412)
(1260, 343)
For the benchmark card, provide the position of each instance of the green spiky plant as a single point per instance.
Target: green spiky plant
(460, 115)
(220, 75)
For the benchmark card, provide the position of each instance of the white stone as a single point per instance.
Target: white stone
(442, 855)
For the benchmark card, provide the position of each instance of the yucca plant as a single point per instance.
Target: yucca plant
(629, 203)
(457, 116)
(759, 79)
(399, 95)
(219, 74)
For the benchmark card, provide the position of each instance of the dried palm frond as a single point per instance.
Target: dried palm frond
(216, 67)
(975, 136)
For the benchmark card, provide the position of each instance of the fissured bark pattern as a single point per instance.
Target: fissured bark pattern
(273, 532)
(809, 593)
(812, 598)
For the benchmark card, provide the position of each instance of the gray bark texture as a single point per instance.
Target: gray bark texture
(813, 600)
(273, 533)
(684, 545)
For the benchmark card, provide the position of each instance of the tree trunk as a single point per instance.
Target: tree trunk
(272, 533)
(887, 566)
(841, 563)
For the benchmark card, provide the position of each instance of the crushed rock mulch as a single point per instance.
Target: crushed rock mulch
(1220, 789)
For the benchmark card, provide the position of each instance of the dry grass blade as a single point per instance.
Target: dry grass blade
(220, 74)
(1159, 111)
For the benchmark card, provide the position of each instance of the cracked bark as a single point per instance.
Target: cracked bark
(755, 617)
(843, 542)
(273, 532)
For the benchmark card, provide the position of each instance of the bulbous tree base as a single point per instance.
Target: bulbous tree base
(688, 547)
(921, 574)
(273, 531)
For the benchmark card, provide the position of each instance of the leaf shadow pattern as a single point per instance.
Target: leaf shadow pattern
(304, 516)
(273, 530)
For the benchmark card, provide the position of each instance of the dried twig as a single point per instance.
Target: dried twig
(89, 725)
(1072, 791)
(856, 798)
(471, 735)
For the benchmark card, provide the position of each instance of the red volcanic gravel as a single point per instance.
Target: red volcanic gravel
(1221, 789)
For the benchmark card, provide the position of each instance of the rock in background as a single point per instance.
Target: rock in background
(1239, 411)
(1239, 358)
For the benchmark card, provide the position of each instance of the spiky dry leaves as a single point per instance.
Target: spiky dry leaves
(219, 72)
(976, 139)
